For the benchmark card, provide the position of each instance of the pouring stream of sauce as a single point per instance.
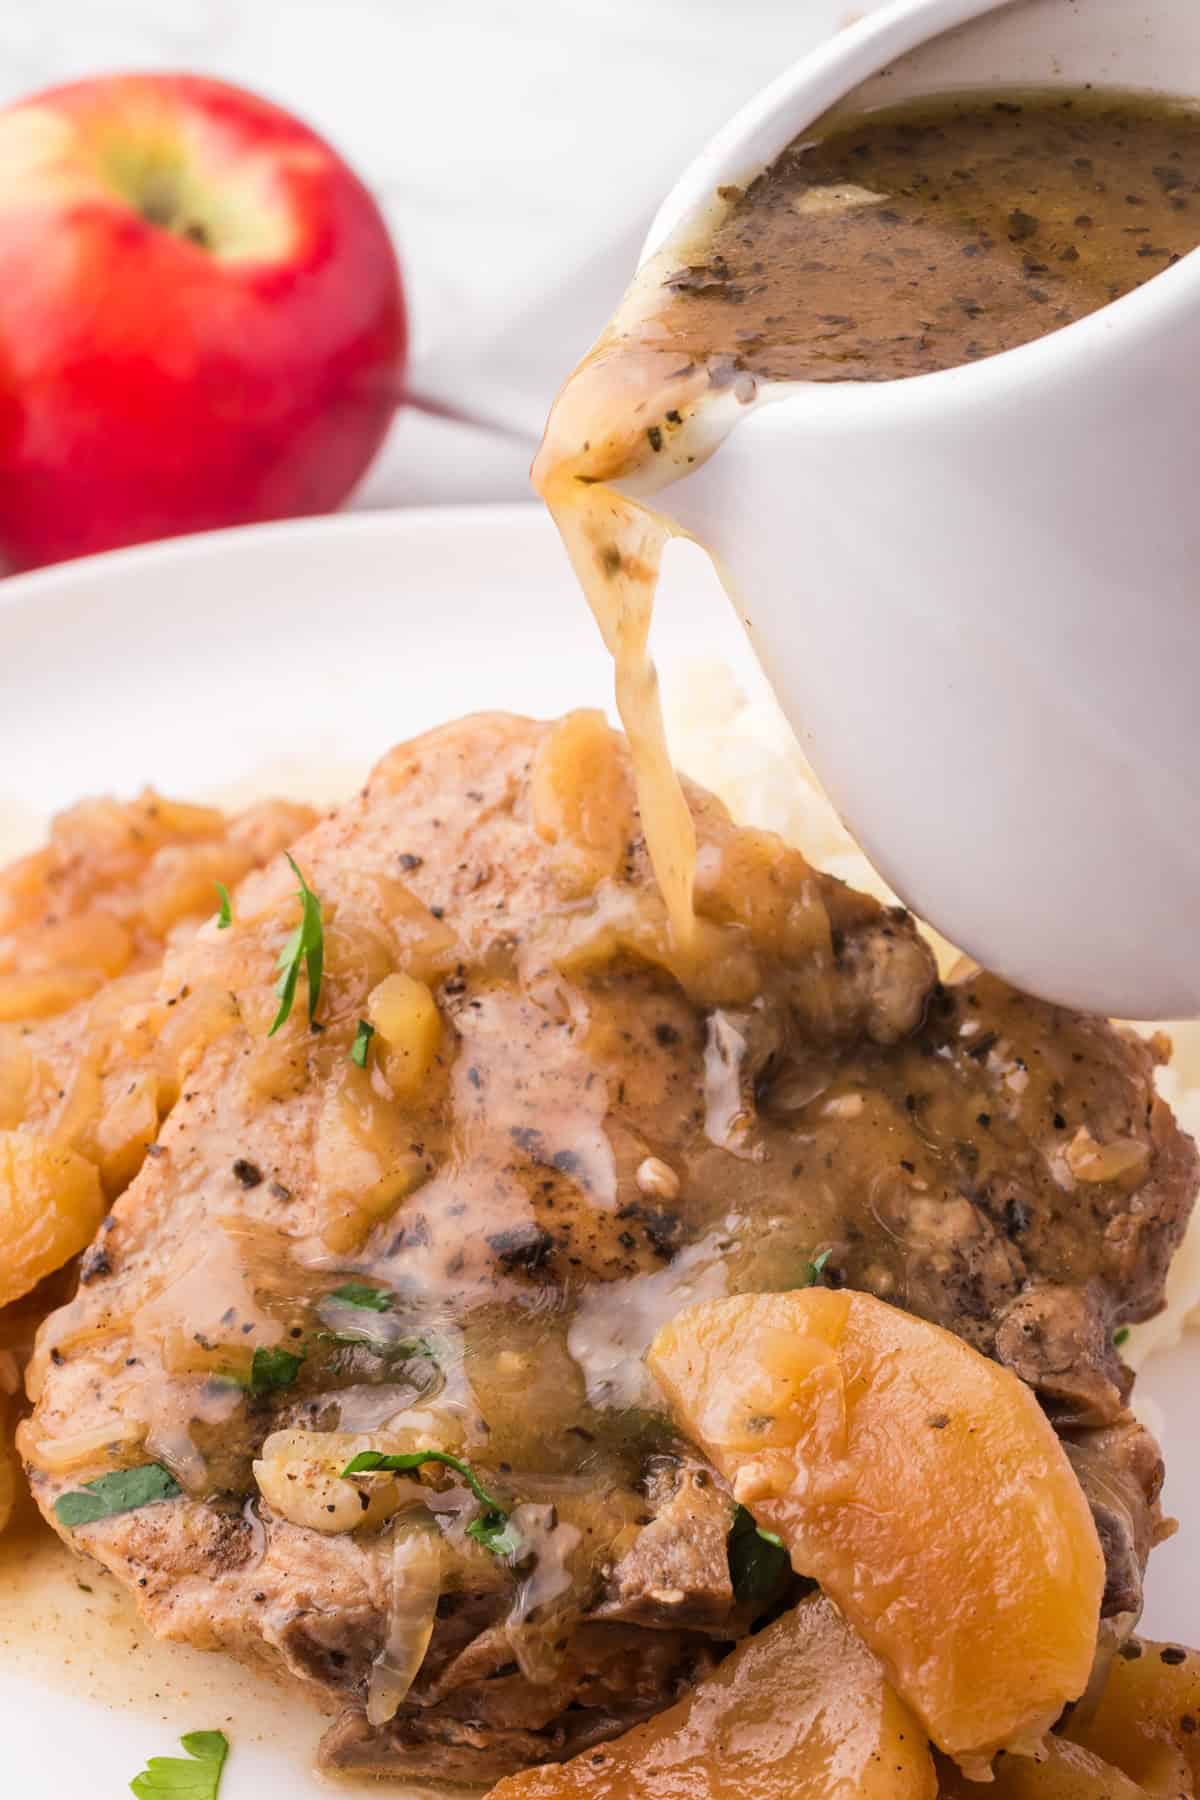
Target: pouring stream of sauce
(917, 239)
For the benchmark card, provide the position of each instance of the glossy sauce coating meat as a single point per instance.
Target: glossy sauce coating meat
(586, 1130)
(92, 1052)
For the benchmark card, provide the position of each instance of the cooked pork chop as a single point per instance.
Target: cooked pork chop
(469, 1225)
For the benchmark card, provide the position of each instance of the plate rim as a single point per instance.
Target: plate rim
(203, 546)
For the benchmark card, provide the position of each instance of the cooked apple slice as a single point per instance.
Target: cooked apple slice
(1148, 1719)
(800, 1712)
(1068, 1773)
(50, 1206)
(919, 1484)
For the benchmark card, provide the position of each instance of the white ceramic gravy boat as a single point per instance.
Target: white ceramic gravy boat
(976, 592)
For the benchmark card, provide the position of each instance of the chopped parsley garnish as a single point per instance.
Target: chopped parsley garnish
(357, 1293)
(362, 1037)
(497, 1533)
(1120, 1337)
(305, 946)
(372, 1336)
(122, 1491)
(225, 915)
(355, 1313)
(493, 1528)
(816, 1269)
(757, 1561)
(271, 1369)
(199, 1778)
(368, 1462)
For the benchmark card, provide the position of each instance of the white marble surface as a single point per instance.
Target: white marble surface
(518, 147)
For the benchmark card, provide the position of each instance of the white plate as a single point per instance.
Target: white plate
(290, 657)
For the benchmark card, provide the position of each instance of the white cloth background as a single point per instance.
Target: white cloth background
(518, 147)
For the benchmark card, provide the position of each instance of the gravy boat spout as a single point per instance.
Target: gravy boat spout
(975, 592)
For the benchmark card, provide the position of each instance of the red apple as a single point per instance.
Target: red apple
(201, 317)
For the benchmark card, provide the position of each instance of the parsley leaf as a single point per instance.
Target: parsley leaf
(816, 1269)
(124, 1490)
(757, 1561)
(362, 1037)
(1120, 1336)
(225, 916)
(497, 1533)
(368, 1336)
(368, 1461)
(271, 1369)
(355, 1312)
(356, 1293)
(306, 946)
(198, 1779)
(493, 1528)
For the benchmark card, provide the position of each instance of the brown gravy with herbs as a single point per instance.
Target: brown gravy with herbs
(909, 241)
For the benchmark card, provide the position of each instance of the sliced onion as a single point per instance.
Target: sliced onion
(56, 1334)
(372, 1406)
(1089, 1160)
(416, 1586)
(58, 1456)
(323, 1446)
(534, 1625)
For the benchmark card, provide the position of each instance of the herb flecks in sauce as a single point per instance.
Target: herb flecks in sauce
(305, 948)
(982, 227)
(124, 1490)
(816, 1269)
(493, 1528)
(357, 1293)
(758, 1561)
(271, 1369)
